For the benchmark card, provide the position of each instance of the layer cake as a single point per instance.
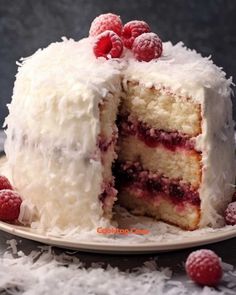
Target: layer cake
(175, 145)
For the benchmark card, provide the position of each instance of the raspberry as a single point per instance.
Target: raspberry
(147, 47)
(104, 22)
(108, 44)
(204, 267)
(132, 30)
(230, 214)
(10, 203)
(5, 183)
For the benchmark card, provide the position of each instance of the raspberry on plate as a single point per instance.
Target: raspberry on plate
(230, 214)
(5, 183)
(10, 202)
(132, 30)
(104, 22)
(108, 44)
(204, 267)
(147, 46)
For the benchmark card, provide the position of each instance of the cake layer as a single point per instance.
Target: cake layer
(181, 164)
(186, 217)
(161, 109)
(129, 125)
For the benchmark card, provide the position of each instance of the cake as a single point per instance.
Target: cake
(82, 128)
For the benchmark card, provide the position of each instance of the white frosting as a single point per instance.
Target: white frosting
(183, 70)
(53, 129)
(218, 157)
(54, 124)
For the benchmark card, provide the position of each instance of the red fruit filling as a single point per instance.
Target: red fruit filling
(132, 175)
(109, 192)
(104, 143)
(153, 137)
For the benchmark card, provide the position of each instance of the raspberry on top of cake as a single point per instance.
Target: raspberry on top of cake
(159, 113)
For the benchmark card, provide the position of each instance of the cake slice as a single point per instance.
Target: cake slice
(176, 144)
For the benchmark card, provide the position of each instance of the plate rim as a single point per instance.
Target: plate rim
(111, 248)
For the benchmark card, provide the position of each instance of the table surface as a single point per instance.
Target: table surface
(173, 260)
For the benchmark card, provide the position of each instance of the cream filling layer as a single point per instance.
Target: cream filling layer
(162, 109)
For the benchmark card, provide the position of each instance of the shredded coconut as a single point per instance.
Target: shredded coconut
(44, 272)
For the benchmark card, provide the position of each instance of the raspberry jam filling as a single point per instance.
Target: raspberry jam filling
(104, 143)
(153, 137)
(109, 193)
(151, 184)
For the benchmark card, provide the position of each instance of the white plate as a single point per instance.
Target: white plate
(124, 247)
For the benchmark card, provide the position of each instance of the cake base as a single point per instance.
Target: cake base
(187, 218)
